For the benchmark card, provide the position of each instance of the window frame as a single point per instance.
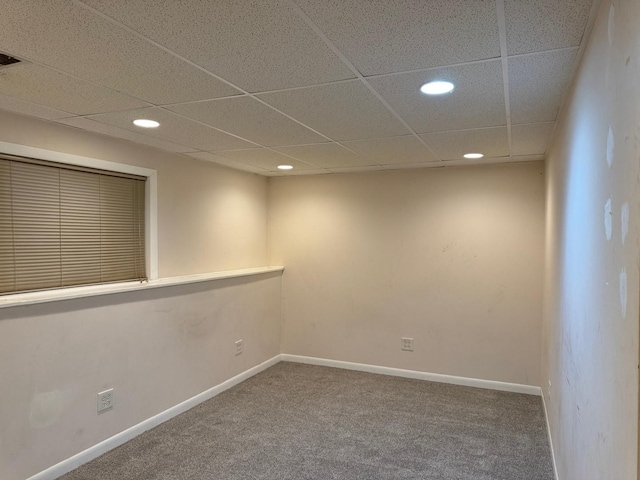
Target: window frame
(151, 200)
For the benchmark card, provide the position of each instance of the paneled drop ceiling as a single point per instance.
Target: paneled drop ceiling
(322, 85)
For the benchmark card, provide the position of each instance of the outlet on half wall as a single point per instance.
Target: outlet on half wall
(105, 400)
(406, 344)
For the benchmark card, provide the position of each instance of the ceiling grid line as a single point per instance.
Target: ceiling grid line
(22, 61)
(141, 133)
(69, 114)
(593, 12)
(114, 21)
(243, 94)
(348, 63)
(239, 137)
(301, 87)
(502, 31)
(551, 50)
(26, 60)
(347, 74)
(437, 67)
(204, 70)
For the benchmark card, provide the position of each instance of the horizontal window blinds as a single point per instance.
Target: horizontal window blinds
(62, 227)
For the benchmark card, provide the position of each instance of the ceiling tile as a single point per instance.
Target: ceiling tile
(477, 101)
(527, 158)
(114, 74)
(537, 84)
(325, 155)
(210, 157)
(492, 142)
(250, 119)
(51, 89)
(484, 161)
(256, 45)
(382, 37)
(368, 168)
(297, 172)
(392, 150)
(408, 166)
(174, 128)
(75, 40)
(531, 139)
(537, 25)
(264, 158)
(343, 111)
(92, 125)
(14, 104)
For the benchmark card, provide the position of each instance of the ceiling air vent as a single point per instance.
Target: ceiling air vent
(7, 60)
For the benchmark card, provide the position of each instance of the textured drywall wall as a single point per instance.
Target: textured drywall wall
(157, 347)
(590, 358)
(209, 217)
(450, 257)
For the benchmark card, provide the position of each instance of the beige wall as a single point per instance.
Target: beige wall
(157, 347)
(209, 217)
(590, 360)
(450, 257)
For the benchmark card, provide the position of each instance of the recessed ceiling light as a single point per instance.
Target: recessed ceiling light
(437, 88)
(145, 123)
(473, 155)
(285, 167)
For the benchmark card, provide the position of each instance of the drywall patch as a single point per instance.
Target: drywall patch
(46, 408)
(611, 25)
(608, 218)
(610, 147)
(623, 292)
(624, 220)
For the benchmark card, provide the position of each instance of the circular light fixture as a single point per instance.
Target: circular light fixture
(473, 155)
(285, 167)
(145, 123)
(437, 88)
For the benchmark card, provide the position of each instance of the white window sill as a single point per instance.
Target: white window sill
(31, 298)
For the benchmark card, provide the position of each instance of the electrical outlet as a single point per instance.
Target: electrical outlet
(105, 400)
(406, 344)
(239, 347)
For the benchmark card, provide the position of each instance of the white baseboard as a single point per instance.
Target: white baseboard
(553, 452)
(89, 454)
(432, 377)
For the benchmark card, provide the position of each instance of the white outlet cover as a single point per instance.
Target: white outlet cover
(406, 344)
(105, 400)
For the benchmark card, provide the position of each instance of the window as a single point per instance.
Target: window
(66, 225)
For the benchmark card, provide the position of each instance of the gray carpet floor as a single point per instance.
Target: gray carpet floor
(296, 421)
